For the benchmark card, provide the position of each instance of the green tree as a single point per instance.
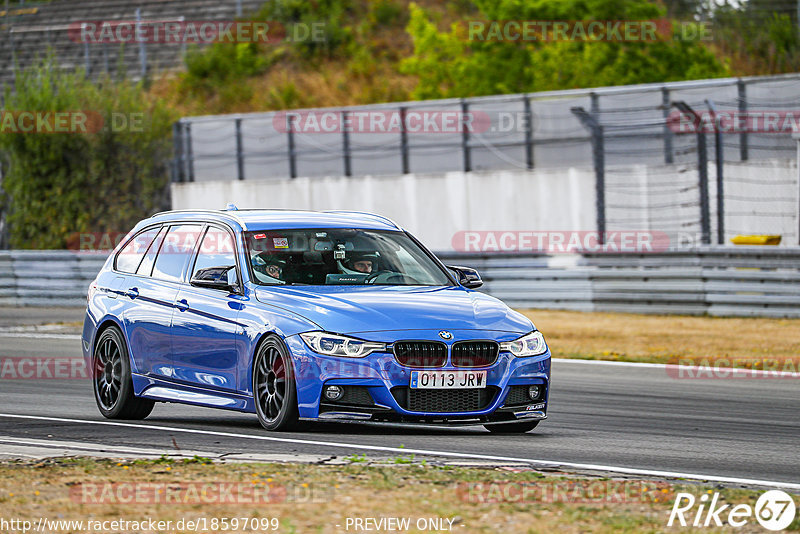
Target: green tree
(450, 64)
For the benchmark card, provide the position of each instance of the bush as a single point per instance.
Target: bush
(325, 19)
(448, 64)
(58, 184)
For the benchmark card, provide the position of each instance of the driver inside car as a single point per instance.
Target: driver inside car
(359, 263)
(269, 268)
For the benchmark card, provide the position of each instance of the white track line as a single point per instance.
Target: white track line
(40, 335)
(607, 362)
(549, 463)
(710, 371)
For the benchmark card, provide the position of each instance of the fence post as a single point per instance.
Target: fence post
(177, 147)
(187, 152)
(702, 170)
(702, 161)
(719, 161)
(465, 136)
(590, 122)
(668, 151)
(528, 132)
(743, 140)
(290, 146)
(239, 152)
(403, 141)
(346, 144)
(595, 104)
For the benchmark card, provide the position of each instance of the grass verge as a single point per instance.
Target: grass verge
(668, 338)
(321, 498)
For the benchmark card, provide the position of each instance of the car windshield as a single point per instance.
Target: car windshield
(340, 256)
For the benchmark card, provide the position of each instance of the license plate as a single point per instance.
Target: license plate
(448, 379)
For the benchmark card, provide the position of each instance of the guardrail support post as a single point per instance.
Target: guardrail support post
(590, 122)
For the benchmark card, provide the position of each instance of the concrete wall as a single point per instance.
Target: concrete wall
(761, 197)
(433, 207)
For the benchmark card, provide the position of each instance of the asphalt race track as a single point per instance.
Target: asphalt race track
(635, 417)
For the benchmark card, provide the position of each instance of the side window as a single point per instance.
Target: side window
(216, 251)
(175, 252)
(131, 255)
(146, 267)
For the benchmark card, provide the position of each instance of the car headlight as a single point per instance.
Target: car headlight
(528, 345)
(336, 345)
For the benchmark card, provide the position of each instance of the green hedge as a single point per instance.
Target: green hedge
(107, 171)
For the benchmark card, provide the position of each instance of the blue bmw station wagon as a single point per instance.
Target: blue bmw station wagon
(299, 316)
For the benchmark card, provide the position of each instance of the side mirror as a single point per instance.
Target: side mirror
(467, 276)
(221, 278)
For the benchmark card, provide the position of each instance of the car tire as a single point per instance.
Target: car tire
(274, 386)
(512, 428)
(111, 379)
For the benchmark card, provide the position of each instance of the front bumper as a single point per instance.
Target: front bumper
(377, 388)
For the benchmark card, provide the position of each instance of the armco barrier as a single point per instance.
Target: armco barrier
(47, 278)
(719, 281)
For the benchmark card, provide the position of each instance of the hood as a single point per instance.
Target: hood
(349, 309)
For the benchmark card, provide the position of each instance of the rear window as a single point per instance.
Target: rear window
(128, 259)
(146, 266)
(175, 251)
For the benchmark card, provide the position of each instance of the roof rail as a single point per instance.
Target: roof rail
(381, 217)
(224, 213)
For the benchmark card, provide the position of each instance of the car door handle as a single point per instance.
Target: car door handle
(182, 305)
(132, 292)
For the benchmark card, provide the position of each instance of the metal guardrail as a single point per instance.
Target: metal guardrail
(717, 281)
(47, 278)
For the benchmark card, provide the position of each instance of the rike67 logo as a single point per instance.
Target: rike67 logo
(774, 510)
